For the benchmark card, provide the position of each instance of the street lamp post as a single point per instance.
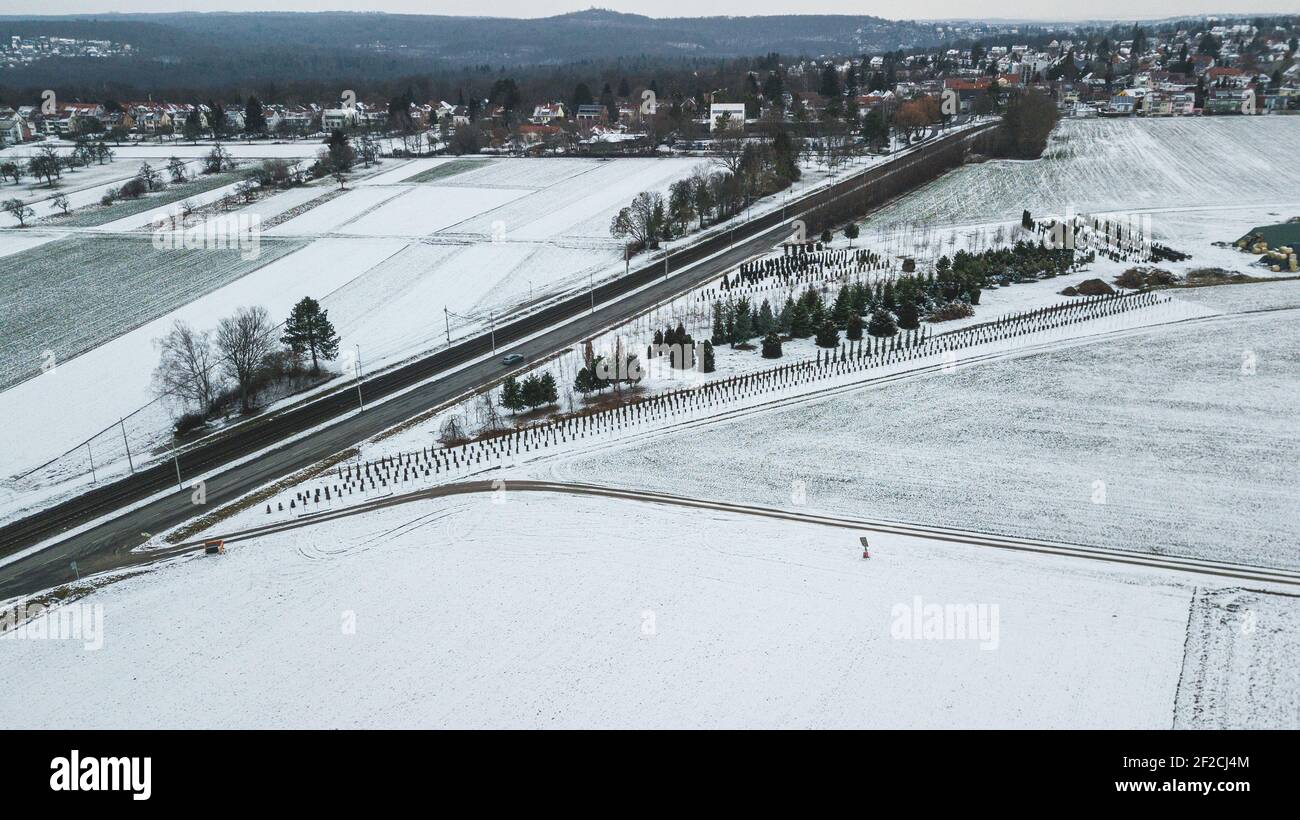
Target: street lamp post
(360, 404)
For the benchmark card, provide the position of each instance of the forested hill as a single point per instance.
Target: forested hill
(195, 48)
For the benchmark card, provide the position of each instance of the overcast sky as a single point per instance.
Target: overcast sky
(894, 9)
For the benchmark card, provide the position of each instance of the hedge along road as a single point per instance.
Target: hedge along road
(555, 328)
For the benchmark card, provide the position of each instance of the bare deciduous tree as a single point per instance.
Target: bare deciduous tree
(244, 341)
(187, 367)
(637, 222)
(18, 210)
(729, 147)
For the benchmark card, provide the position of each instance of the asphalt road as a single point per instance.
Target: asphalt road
(103, 546)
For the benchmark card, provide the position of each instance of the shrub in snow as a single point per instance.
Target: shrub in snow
(950, 311)
(771, 347)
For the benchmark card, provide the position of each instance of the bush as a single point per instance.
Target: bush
(772, 346)
(188, 423)
(1094, 287)
(133, 189)
(1143, 277)
(278, 173)
(950, 311)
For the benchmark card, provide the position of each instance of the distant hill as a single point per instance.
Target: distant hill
(189, 38)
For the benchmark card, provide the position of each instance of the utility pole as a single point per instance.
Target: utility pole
(129, 463)
(176, 459)
(492, 329)
(93, 479)
(361, 404)
(591, 288)
(447, 320)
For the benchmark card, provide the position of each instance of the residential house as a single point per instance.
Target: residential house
(339, 119)
(13, 128)
(591, 115)
(547, 113)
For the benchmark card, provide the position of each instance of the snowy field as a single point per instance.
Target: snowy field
(1164, 442)
(1097, 165)
(1240, 644)
(545, 611)
(493, 237)
(372, 253)
(85, 186)
(93, 390)
(77, 293)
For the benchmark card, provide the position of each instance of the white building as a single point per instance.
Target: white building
(336, 119)
(734, 112)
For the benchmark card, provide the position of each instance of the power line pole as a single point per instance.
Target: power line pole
(447, 320)
(129, 463)
(492, 329)
(93, 479)
(176, 459)
(361, 404)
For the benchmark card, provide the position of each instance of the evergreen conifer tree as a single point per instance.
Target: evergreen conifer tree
(709, 364)
(308, 330)
(854, 330)
(512, 397)
(828, 335)
(882, 324)
(771, 346)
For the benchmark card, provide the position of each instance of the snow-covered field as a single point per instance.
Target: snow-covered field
(1240, 644)
(375, 237)
(1099, 165)
(93, 390)
(1179, 440)
(85, 186)
(496, 236)
(517, 608)
(75, 294)
(552, 611)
